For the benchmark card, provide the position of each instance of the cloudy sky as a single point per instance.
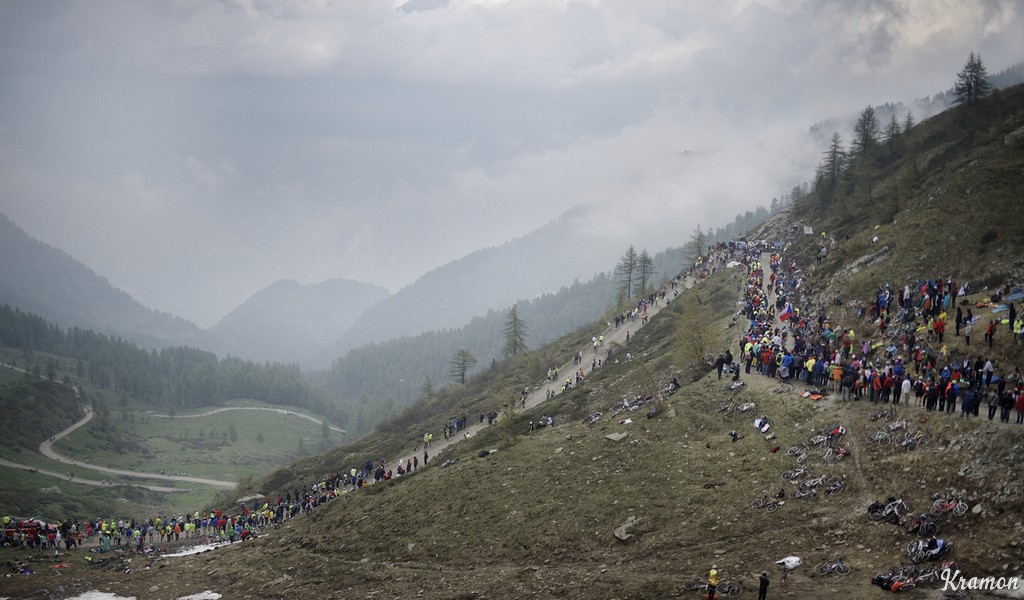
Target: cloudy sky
(195, 151)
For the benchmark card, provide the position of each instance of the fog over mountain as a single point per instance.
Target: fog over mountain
(195, 153)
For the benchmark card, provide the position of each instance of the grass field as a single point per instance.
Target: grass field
(225, 445)
(230, 446)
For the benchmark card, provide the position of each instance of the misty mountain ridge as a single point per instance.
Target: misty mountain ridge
(543, 261)
(45, 280)
(287, 320)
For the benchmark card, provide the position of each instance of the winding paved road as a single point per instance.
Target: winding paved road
(282, 411)
(46, 449)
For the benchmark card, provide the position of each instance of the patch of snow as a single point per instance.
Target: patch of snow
(101, 596)
(207, 595)
(197, 549)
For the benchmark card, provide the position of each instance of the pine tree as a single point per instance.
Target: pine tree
(972, 83)
(627, 271)
(892, 135)
(865, 133)
(908, 122)
(515, 334)
(645, 268)
(460, 364)
(831, 169)
(427, 390)
(697, 244)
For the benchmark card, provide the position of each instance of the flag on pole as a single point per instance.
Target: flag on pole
(786, 312)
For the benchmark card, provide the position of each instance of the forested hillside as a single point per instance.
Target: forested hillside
(171, 378)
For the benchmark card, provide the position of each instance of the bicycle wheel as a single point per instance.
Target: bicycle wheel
(884, 440)
(735, 589)
(873, 437)
(910, 445)
(842, 569)
(790, 475)
(795, 451)
(876, 515)
(771, 507)
(755, 503)
(960, 509)
(874, 416)
(938, 507)
(801, 458)
(822, 568)
(890, 414)
(693, 585)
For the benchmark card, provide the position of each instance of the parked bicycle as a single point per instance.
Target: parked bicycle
(833, 454)
(888, 414)
(943, 505)
(837, 567)
(799, 452)
(768, 504)
(925, 525)
(813, 482)
(881, 437)
(892, 509)
(796, 473)
(930, 549)
(896, 425)
(836, 484)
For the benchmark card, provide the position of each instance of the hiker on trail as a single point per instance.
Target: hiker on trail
(719, 363)
(762, 588)
(713, 578)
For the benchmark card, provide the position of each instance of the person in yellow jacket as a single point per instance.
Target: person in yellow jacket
(713, 578)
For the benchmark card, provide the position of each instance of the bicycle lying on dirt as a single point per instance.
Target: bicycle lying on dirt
(746, 407)
(955, 505)
(908, 577)
(888, 414)
(734, 386)
(930, 549)
(893, 509)
(925, 525)
(768, 504)
(837, 567)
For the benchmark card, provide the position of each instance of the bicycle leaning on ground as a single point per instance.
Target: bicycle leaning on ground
(837, 567)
